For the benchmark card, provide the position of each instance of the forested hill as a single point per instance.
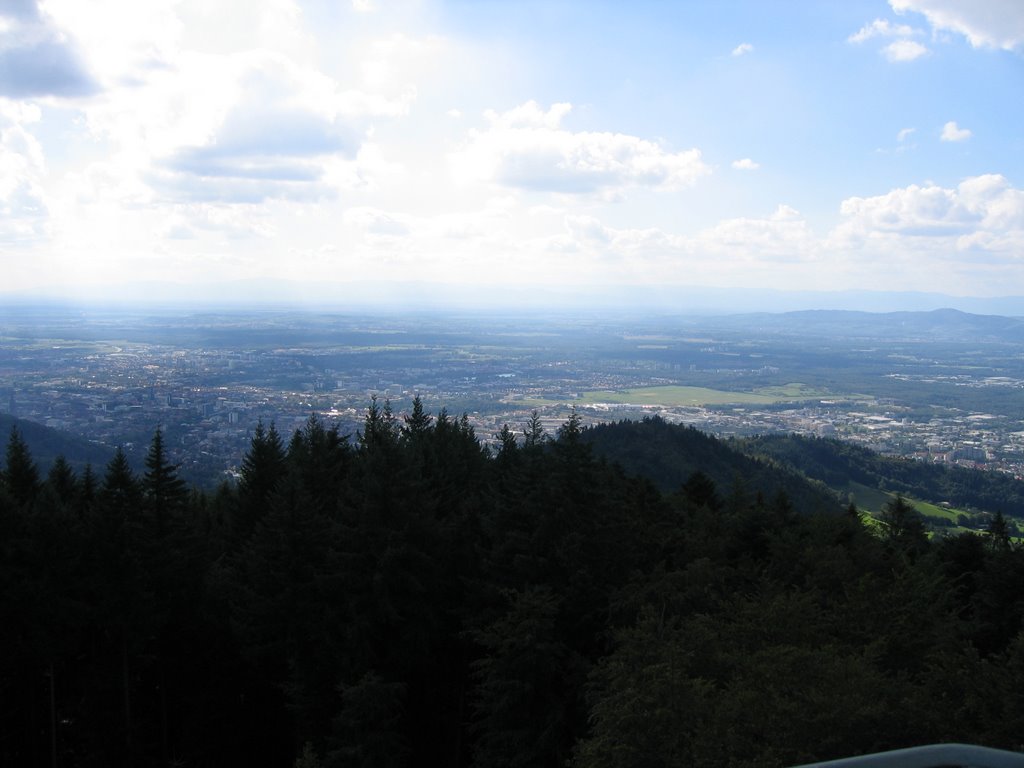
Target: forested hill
(836, 464)
(47, 444)
(410, 598)
(669, 454)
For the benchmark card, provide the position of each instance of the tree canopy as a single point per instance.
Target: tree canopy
(411, 597)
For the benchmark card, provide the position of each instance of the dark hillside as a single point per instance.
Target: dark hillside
(835, 463)
(46, 444)
(668, 454)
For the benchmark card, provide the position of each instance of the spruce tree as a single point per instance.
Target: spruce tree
(417, 423)
(262, 470)
(165, 492)
(21, 476)
(61, 479)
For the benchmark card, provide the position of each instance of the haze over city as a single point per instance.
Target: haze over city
(477, 149)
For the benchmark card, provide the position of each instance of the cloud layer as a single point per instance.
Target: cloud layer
(985, 23)
(198, 141)
(526, 148)
(36, 57)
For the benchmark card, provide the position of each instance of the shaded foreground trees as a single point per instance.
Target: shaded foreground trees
(404, 597)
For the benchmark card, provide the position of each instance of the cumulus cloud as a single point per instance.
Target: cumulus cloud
(920, 235)
(23, 206)
(276, 131)
(527, 148)
(37, 58)
(783, 236)
(952, 132)
(981, 213)
(904, 50)
(742, 48)
(242, 115)
(745, 164)
(985, 23)
(881, 28)
(905, 134)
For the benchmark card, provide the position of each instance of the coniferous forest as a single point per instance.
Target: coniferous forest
(405, 596)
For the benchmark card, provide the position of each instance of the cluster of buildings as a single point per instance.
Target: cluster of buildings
(208, 402)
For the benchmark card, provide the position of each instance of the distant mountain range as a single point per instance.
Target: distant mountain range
(369, 296)
(937, 325)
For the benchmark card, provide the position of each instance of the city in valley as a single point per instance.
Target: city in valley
(938, 386)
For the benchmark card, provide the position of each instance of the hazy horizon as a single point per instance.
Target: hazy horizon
(386, 298)
(514, 153)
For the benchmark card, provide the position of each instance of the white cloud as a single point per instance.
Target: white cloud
(746, 164)
(881, 28)
(782, 237)
(985, 23)
(243, 126)
(919, 237)
(904, 50)
(742, 48)
(905, 134)
(981, 212)
(235, 222)
(526, 148)
(37, 58)
(969, 238)
(913, 210)
(376, 222)
(952, 132)
(24, 210)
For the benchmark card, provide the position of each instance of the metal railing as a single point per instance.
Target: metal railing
(932, 756)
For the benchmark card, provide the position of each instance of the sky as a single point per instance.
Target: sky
(475, 145)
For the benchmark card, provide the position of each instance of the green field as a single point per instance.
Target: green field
(698, 396)
(871, 500)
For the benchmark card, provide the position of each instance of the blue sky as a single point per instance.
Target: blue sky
(782, 145)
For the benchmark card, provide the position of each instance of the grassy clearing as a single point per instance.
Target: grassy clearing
(701, 396)
(871, 500)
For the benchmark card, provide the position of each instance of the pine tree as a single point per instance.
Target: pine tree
(21, 476)
(571, 430)
(508, 447)
(61, 479)
(86, 491)
(999, 532)
(417, 423)
(379, 428)
(165, 492)
(262, 470)
(904, 526)
(534, 432)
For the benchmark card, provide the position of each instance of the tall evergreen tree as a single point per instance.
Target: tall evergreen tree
(534, 431)
(61, 479)
(417, 423)
(262, 470)
(165, 492)
(904, 527)
(20, 476)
